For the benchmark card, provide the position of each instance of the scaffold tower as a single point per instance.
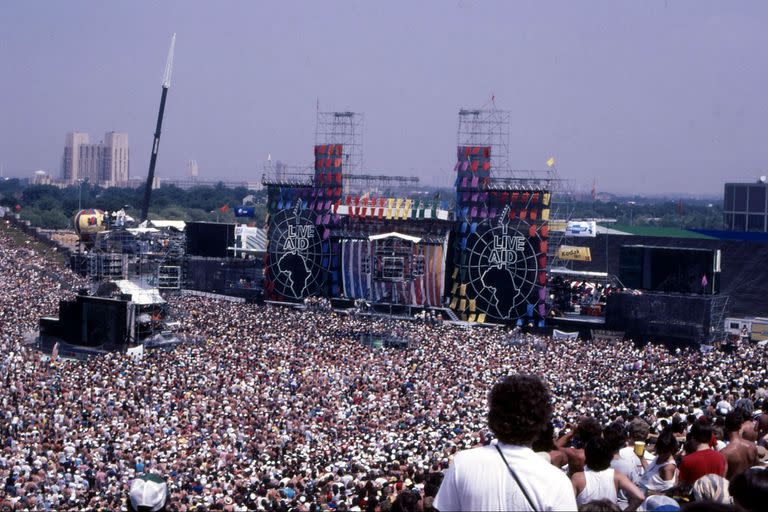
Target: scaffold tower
(561, 210)
(486, 127)
(344, 128)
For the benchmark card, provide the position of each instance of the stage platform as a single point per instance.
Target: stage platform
(583, 324)
(463, 323)
(580, 319)
(285, 304)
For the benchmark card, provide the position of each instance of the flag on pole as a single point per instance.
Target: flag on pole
(551, 161)
(224, 209)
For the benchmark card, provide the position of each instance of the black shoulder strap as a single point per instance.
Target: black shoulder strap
(517, 480)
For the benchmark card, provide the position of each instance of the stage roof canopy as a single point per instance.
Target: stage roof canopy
(578, 274)
(393, 234)
(140, 295)
(179, 225)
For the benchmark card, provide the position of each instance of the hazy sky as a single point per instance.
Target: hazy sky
(646, 96)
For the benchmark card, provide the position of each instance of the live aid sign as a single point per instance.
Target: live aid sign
(505, 249)
(299, 238)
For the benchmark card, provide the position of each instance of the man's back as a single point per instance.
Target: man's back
(740, 455)
(575, 458)
(700, 463)
(478, 479)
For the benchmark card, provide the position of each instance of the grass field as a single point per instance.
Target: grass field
(49, 254)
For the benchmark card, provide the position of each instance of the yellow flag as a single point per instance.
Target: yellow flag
(388, 211)
(551, 161)
(407, 208)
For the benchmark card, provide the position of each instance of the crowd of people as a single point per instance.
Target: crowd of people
(282, 409)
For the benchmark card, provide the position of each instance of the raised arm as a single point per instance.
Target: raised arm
(579, 482)
(563, 441)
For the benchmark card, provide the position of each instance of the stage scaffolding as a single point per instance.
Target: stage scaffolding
(344, 128)
(486, 127)
(152, 260)
(561, 210)
(717, 308)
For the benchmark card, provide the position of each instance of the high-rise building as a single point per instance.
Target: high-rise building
(115, 159)
(192, 169)
(105, 163)
(89, 164)
(71, 160)
(745, 206)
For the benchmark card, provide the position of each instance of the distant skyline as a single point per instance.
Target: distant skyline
(646, 97)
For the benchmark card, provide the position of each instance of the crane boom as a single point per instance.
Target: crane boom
(156, 141)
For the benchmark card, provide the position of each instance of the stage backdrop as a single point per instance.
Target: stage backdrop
(393, 271)
(297, 256)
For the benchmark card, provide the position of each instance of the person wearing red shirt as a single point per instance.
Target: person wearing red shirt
(701, 459)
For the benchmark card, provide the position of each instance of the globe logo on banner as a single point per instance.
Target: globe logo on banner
(502, 267)
(296, 253)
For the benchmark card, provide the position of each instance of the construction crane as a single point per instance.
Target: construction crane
(156, 142)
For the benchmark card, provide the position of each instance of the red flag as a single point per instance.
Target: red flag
(224, 209)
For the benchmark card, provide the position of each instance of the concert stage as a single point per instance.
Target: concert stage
(485, 255)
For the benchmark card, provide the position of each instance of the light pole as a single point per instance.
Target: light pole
(80, 194)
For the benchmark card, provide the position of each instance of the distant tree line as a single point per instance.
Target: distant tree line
(660, 212)
(51, 207)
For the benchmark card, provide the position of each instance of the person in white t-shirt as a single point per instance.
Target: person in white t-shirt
(615, 434)
(599, 481)
(637, 431)
(508, 475)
